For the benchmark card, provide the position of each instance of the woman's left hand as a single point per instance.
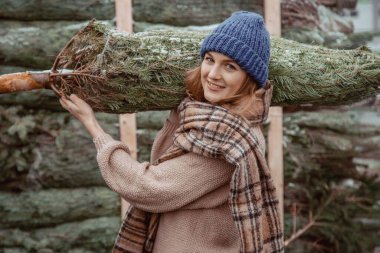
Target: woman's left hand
(78, 108)
(83, 112)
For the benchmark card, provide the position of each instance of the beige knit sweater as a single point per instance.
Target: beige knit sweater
(190, 191)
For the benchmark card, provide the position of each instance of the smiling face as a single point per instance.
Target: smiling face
(221, 77)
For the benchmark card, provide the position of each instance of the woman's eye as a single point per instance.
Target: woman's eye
(230, 67)
(209, 59)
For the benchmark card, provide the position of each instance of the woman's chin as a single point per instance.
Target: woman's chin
(212, 99)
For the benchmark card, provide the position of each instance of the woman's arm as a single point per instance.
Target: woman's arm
(168, 186)
(165, 187)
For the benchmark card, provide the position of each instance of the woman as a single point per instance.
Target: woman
(208, 188)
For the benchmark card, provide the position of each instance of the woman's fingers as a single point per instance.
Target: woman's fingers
(79, 109)
(68, 104)
(74, 98)
(63, 103)
(78, 101)
(76, 106)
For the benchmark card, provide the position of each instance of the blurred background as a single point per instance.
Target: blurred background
(52, 197)
(366, 18)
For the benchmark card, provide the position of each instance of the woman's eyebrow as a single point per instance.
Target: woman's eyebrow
(230, 61)
(224, 60)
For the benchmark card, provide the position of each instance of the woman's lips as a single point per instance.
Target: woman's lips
(214, 87)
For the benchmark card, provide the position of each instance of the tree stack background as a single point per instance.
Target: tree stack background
(52, 197)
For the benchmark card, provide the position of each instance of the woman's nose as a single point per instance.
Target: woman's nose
(214, 72)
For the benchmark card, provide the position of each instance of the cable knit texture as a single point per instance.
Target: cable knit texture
(191, 190)
(244, 38)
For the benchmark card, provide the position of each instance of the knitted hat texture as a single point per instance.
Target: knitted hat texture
(244, 38)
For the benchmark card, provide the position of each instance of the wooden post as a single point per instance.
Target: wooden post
(272, 14)
(124, 22)
(376, 14)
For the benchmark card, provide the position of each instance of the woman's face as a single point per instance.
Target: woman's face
(221, 77)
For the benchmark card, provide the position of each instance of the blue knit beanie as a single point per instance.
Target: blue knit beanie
(244, 38)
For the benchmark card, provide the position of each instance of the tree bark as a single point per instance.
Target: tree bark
(192, 13)
(151, 120)
(4, 69)
(331, 22)
(307, 14)
(350, 4)
(196, 12)
(34, 44)
(57, 9)
(42, 149)
(345, 142)
(334, 40)
(51, 207)
(332, 176)
(38, 99)
(94, 235)
(299, 13)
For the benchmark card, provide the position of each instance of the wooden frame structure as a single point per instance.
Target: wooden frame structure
(124, 22)
(272, 15)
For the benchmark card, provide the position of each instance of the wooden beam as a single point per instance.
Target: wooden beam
(272, 15)
(124, 22)
(376, 14)
(124, 18)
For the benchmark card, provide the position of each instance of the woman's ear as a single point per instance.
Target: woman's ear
(267, 85)
(260, 92)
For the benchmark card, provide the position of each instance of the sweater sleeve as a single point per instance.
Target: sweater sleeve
(158, 188)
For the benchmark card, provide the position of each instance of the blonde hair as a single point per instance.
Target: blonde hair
(241, 103)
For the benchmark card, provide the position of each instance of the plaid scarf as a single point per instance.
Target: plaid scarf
(212, 131)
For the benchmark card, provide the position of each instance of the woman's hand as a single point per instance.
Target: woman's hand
(78, 108)
(83, 112)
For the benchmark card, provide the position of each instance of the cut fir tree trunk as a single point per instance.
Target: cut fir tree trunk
(39, 99)
(34, 209)
(343, 141)
(195, 12)
(42, 149)
(349, 4)
(307, 14)
(332, 178)
(88, 236)
(35, 44)
(115, 72)
(57, 9)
